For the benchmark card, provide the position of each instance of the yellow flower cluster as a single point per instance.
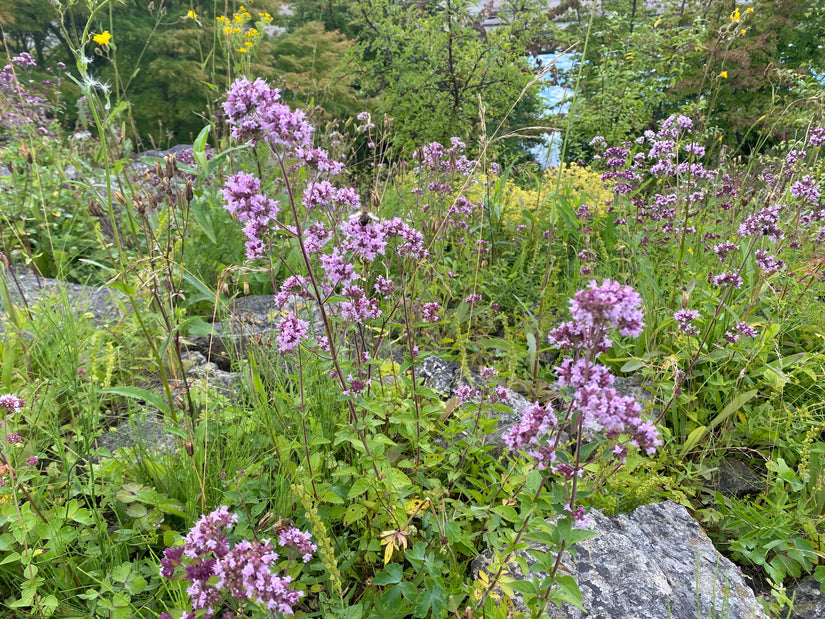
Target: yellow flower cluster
(585, 183)
(241, 24)
(578, 184)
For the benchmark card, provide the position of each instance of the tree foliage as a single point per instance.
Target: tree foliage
(735, 69)
(434, 64)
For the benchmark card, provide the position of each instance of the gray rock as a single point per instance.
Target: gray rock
(145, 434)
(444, 377)
(27, 288)
(808, 600)
(653, 563)
(734, 478)
(635, 387)
(441, 376)
(209, 377)
(250, 319)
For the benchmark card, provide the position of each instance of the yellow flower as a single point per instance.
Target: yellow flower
(265, 17)
(223, 19)
(252, 33)
(749, 10)
(191, 14)
(103, 38)
(724, 75)
(392, 541)
(743, 31)
(242, 50)
(735, 15)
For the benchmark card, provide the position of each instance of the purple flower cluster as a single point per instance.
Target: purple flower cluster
(244, 572)
(430, 312)
(532, 434)
(465, 393)
(358, 307)
(684, 321)
(596, 310)
(763, 222)
(291, 331)
(297, 540)
(768, 263)
(22, 107)
(740, 329)
(255, 115)
(435, 156)
(11, 404)
(723, 249)
(244, 200)
(806, 189)
(727, 279)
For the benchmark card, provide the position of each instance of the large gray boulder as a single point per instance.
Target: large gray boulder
(654, 563)
(26, 289)
(808, 600)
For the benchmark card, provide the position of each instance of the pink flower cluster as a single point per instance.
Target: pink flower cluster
(243, 572)
(684, 321)
(255, 114)
(532, 434)
(596, 310)
(11, 404)
(244, 200)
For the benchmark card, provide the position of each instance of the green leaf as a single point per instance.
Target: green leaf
(351, 612)
(632, 365)
(775, 378)
(10, 558)
(136, 585)
(398, 479)
(332, 497)
(199, 147)
(169, 506)
(532, 347)
(142, 395)
(533, 481)
(525, 587)
(123, 287)
(354, 512)
(128, 492)
(693, 439)
(432, 598)
(734, 405)
(359, 487)
(121, 572)
(570, 591)
(391, 575)
(136, 510)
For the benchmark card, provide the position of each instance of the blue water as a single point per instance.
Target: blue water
(556, 100)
